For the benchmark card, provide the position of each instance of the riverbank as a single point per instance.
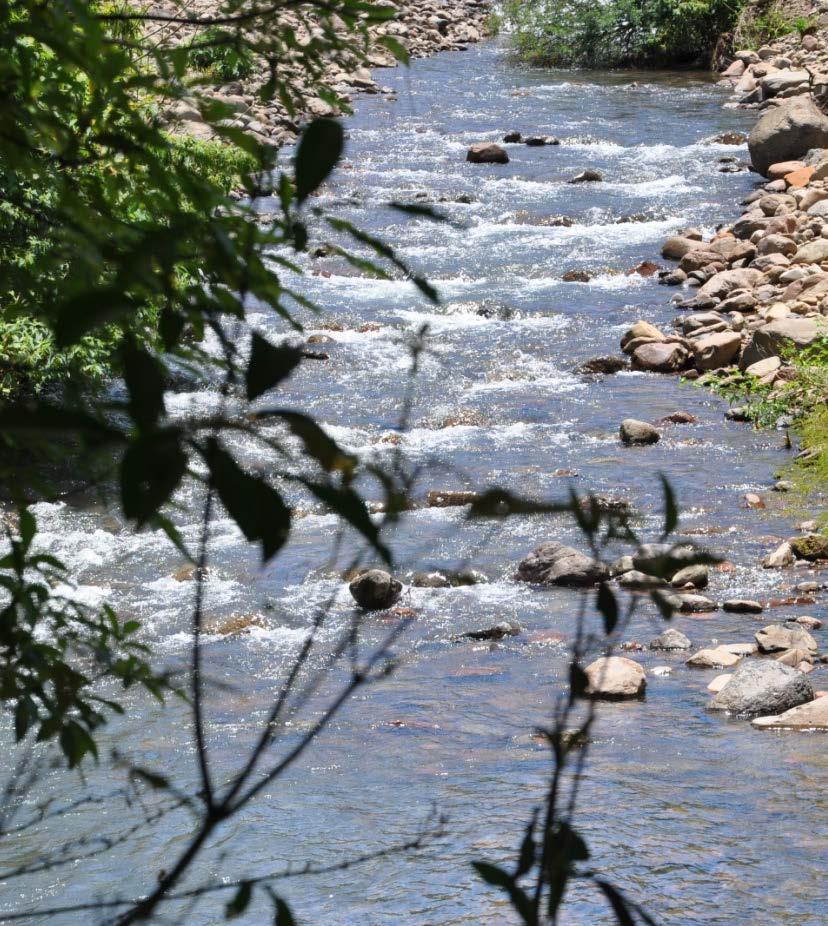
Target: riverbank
(422, 27)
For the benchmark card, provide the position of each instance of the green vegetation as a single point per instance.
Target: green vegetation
(766, 22)
(618, 33)
(804, 398)
(223, 55)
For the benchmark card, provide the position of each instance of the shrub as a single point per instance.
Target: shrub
(618, 33)
(222, 55)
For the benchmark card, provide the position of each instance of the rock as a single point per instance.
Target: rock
(719, 682)
(430, 580)
(671, 639)
(780, 81)
(375, 590)
(636, 433)
(639, 580)
(752, 500)
(613, 677)
(512, 138)
(776, 638)
(553, 563)
(812, 715)
(730, 138)
(724, 283)
(656, 357)
(639, 330)
(577, 276)
(787, 132)
(796, 658)
(716, 350)
(679, 418)
(780, 337)
(764, 367)
(450, 498)
(696, 575)
(663, 559)
(742, 606)
(487, 153)
(588, 176)
(537, 141)
(678, 246)
(810, 623)
(696, 604)
(813, 252)
(603, 365)
(763, 687)
(810, 547)
(646, 269)
(498, 632)
(718, 658)
(782, 556)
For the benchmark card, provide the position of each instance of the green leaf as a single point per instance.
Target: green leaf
(256, 507)
(28, 527)
(76, 743)
(240, 901)
(269, 365)
(396, 47)
(144, 377)
(151, 469)
(316, 442)
(606, 603)
(320, 147)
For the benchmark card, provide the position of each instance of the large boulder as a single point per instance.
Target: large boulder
(813, 252)
(614, 677)
(634, 432)
(777, 638)
(763, 687)
(487, 153)
(716, 350)
(813, 715)
(787, 132)
(554, 563)
(776, 338)
(810, 546)
(721, 285)
(671, 639)
(779, 81)
(669, 357)
(375, 590)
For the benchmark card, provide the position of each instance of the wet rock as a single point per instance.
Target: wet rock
(671, 639)
(752, 500)
(615, 677)
(602, 365)
(636, 433)
(787, 132)
(696, 604)
(781, 557)
(430, 580)
(698, 576)
(716, 350)
(645, 269)
(235, 625)
(588, 176)
(679, 418)
(668, 357)
(450, 498)
(776, 638)
(538, 141)
(512, 138)
(663, 559)
(719, 657)
(811, 547)
(577, 276)
(763, 687)
(808, 622)
(639, 330)
(812, 715)
(553, 563)
(375, 590)
(678, 246)
(730, 138)
(487, 153)
(796, 658)
(742, 606)
(634, 579)
(498, 632)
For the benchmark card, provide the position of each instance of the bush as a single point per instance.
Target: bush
(619, 33)
(222, 55)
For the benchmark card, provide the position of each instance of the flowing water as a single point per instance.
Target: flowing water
(703, 819)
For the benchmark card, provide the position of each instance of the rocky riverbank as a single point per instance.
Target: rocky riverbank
(422, 27)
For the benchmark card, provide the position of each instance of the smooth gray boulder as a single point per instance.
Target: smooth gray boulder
(657, 357)
(716, 350)
(787, 132)
(776, 338)
(633, 432)
(554, 563)
(487, 153)
(615, 677)
(763, 687)
(375, 589)
(671, 639)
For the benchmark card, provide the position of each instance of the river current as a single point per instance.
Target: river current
(702, 819)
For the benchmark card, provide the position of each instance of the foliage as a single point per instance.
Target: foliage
(766, 22)
(222, 54)
(618, 33)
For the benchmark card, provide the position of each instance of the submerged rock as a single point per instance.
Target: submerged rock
(375, 590)
(588, 176)
(497, 632)
(615, 677)
(554, 563)
(602, 365)
(763, 687)
(487, 153)
(634, 432)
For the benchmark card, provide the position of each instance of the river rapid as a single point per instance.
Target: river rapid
(704, 820)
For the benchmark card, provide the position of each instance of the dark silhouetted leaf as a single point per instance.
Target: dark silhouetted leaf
(618, 902)
(240, 901)
(269, 365)
(608, 606)
(144, 377)
(320, 147)
(151, 469)
(670, 507)
(497, 877)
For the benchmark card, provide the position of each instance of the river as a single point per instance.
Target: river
(703, 819)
